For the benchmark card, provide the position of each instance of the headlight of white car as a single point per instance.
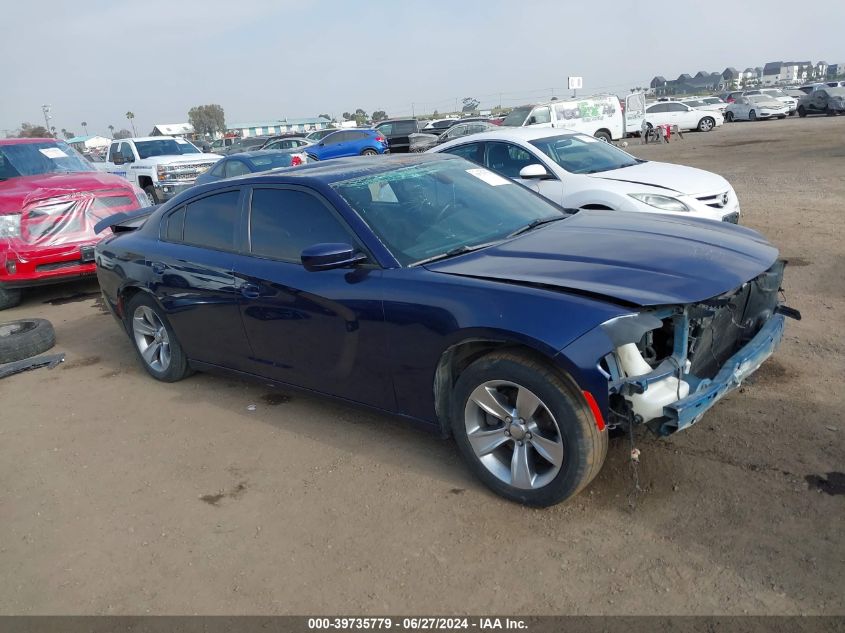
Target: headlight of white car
(10, 225)
(660, 202)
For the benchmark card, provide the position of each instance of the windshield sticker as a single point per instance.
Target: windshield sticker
(53, 152)
(489, 177)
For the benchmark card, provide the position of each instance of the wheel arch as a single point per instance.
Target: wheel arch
(126, 294)
(458, 356)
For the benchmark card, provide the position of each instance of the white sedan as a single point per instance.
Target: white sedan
(756, 107)
(682, 115)
(578, 171)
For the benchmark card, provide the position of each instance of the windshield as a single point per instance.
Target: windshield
(164, 147)
(774, 93)
(582, 154)
(431, 209)
(517, 116)
(759, 98)
(40, 157)
(694, 104)
(712, 100)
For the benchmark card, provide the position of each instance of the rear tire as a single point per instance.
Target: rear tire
(603, 135)
(546, 449)
(369, 152)
(802, 112)
(752, 116)
(25, 338)
(9, 297)
(729, 117)
(155, 341)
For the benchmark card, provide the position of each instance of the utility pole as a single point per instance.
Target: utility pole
(412, 110)
(46, 110)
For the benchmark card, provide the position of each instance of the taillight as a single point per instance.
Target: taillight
(381, 139)
(295, 160)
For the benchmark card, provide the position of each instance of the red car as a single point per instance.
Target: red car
(50, 200)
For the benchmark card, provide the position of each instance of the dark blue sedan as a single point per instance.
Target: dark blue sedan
(252, 162)
(343, 143)
(434, 289)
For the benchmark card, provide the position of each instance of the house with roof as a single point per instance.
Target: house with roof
(87, 143)
(278, 126)
(173, 129)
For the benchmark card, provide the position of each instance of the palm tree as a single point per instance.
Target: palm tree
(64, 133)
(131, 115)
(111, 130)
(53, 130)
(84, 127)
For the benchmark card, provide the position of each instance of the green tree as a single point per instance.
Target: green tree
(325, 116)
(123, 133)
(28, 130)
(379, 115)
(207, 119)
(130, 116)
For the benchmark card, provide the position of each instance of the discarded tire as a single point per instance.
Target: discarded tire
(25, 338)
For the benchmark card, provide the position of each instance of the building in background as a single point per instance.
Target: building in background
(173, 129)
(279, 126)
(85, 144)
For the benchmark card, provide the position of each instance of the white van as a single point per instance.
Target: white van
(599, 115)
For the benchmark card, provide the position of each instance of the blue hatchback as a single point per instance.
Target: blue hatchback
(358, 142)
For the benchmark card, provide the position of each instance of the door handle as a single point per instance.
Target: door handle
(250, 291)
(158, 267)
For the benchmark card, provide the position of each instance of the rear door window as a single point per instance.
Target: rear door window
(470, 151)
(210, 222)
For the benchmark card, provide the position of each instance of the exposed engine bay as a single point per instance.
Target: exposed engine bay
(670, 364)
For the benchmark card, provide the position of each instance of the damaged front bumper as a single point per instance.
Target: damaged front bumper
(687, 411)
(671, 364)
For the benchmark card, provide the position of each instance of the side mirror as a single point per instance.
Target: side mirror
(329, 256)
(117, 159)
(534, 171)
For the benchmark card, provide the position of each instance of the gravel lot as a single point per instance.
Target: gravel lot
(121, 495)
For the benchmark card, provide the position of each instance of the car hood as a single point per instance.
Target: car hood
(639, 259)
(677, 178)
(16, 193)
(768, 103)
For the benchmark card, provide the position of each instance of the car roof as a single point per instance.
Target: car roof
(519, 133)
(258, 153)
(18, 141)
(338, 169)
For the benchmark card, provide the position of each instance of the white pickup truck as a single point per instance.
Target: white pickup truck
(160, 165)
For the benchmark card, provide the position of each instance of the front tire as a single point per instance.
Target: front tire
(706, 124)
(752, 116)
(729, 117)
(154, 340)
(9, 297)
(603, 135)
(802, 112)
(151, 194)
(525, 430)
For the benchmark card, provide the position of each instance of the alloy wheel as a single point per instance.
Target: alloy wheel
(151, 338)
(514, 434)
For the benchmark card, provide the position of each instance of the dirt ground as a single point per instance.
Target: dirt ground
(122, 495)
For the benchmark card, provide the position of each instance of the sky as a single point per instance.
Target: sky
(94, 60)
